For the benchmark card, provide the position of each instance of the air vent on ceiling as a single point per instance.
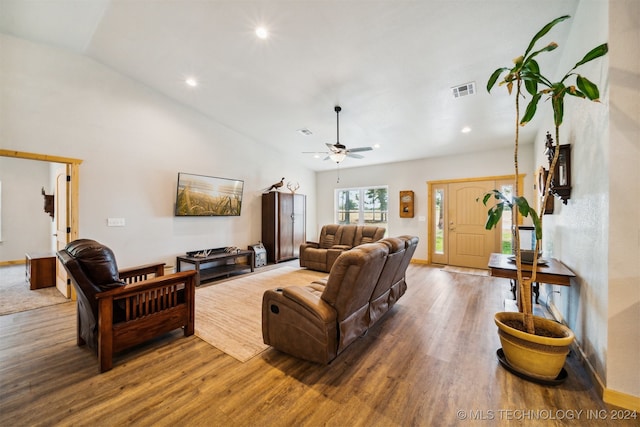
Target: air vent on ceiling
(305, 131)
(464, 90)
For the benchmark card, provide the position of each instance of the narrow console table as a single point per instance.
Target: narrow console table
(217, 264)
(553, 272)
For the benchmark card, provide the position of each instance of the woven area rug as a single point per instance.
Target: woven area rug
(465, 270)
(15, 295)
(229, 313)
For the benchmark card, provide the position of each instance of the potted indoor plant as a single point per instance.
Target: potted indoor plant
(518, 329)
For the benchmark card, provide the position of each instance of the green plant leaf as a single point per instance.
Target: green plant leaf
(531, 109)
(501, 196)
(558, 108)
(544, 31)
(531, 85)
(531, 67)
(495, 194)
(571, 90)
(494, 215)
(523, 205)
(588, 88)
(536, 223)
(530, 74)
(594, 53)
(494, 77)
(548, 48)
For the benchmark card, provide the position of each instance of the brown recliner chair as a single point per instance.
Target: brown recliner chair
(335, 239)
(318, 322)
(368, 234)
(119, 309)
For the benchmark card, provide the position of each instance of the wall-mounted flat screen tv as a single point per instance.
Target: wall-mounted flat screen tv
(200, 195)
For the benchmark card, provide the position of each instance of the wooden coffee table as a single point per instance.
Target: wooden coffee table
(553, 272)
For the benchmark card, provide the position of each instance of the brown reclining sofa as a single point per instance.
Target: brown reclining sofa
(335, 239)
(318, 321)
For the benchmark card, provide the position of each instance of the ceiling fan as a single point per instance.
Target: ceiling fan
(338, 152)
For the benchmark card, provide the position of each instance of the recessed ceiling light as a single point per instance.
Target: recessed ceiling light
(376, 146)
(466, 129)
(262, 33)
(191, 81)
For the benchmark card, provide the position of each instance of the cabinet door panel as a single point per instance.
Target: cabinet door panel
(299, 223)
(283, 225)
(286, 226)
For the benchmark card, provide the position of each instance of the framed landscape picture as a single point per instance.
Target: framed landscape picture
(200, 195)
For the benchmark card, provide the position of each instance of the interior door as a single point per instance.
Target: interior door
(470, 244)
(62, 220)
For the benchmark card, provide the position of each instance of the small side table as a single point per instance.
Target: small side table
(41, 270)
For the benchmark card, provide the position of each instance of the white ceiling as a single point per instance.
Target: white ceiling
(389, 64)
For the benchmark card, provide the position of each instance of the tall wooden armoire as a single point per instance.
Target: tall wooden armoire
(283, 225)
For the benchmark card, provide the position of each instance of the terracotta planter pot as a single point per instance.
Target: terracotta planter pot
(533, 355)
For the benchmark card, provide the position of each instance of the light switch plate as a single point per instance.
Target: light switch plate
(115, 222)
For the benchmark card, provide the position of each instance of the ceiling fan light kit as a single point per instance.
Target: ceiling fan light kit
(337, 157)
(338, 152)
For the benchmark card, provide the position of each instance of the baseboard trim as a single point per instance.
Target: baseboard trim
(14, 262)
(419, 261)
(622, 400)
(612, 397)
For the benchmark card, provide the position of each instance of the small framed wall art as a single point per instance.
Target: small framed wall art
(406, 204)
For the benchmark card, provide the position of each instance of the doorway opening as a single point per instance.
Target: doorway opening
(67, 189)
(456, 227)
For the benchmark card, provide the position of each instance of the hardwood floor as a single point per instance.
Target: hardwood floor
(430, 362)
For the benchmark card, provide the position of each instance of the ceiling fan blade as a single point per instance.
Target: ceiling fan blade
(356, 150)
(333, 148)
(355, 156)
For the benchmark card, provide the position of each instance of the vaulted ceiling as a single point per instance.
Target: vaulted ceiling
(390, 65)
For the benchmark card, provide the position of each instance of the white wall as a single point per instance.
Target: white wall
(26, 227)
(133, 142)
(414, 175)
(577, 232)
(623, 340)
(597, 234)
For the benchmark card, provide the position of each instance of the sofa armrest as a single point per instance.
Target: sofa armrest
(308, 245)
(311, 302)
(186, 278)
